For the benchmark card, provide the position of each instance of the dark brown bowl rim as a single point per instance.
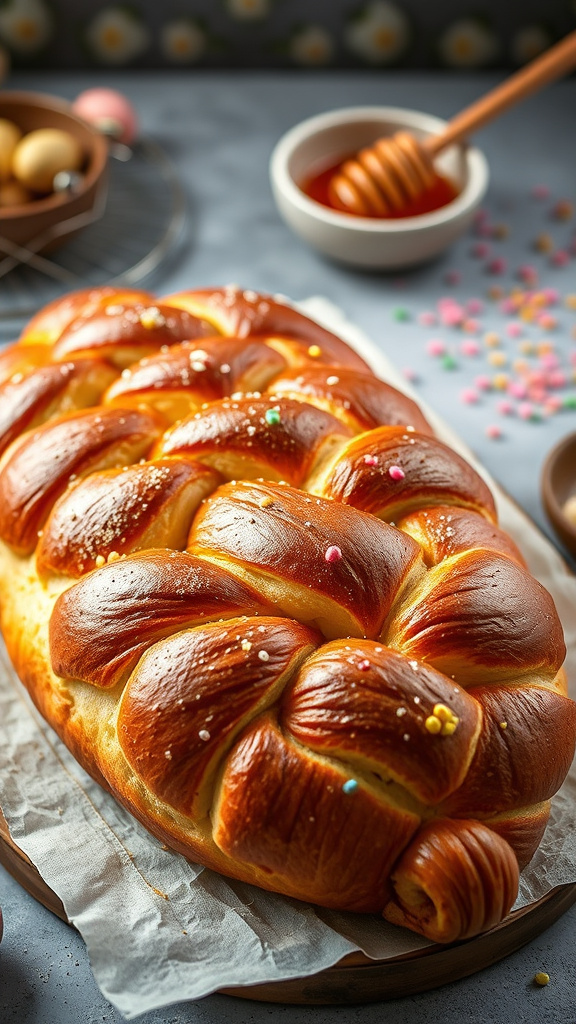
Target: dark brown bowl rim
(551, 502)
(98, 156)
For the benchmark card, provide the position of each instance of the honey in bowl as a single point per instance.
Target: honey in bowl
(442, 192)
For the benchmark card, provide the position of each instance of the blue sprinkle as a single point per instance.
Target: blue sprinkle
(350, 786)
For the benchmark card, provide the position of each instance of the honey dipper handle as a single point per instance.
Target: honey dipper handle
(555, 62)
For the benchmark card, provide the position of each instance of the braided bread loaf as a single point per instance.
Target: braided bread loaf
(271, 612)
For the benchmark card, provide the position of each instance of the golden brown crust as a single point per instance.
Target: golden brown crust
(102, 625)
(119, 511)
(446, 530)
(254, 437)
(458, 877)
(391, 470)
(405, 765)
(480, 617)
(359, 399)
(39, 467)
(367, 705)
(29, 399)
(184, 378)
(282, 541)
(322, 833)
(191, 694)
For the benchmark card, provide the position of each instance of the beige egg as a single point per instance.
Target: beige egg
(10, 136)
(42, 154)
(12, 193)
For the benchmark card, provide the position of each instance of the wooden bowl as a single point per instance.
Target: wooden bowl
(559, 484)
(45, 223)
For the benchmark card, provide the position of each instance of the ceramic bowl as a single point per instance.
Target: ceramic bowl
(378, 243)
(558, 483)
(48, 221)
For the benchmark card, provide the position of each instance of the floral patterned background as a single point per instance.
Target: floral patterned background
(281, 33)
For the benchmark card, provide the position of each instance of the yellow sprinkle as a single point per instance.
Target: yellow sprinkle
(495, 292)
(314, 351)
(543, 243)
(500, 231)
(500, 381)
(497, 358)
(526, 347)
(266, 502)
(526, 314)
(503, 725)
(520, 366)
(246, 645)
(442, 712)
(544, 347)
(113, 556)
(541, 978)
(433, 724)
(449, 728)
(570, 301)
(491, 339)
(100, 561)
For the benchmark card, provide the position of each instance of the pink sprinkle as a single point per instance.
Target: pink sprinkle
(484, 230)
(364, 665)
(557, 379)
(540, 192)
(469, 396)
(435, 347)
(427, 319)
(514, 330)
(494, 432)
(525, 411)
(517, 389)
(333, 554)
(560, 258)
(572, 358)
(549, 361)
(552, 295)
(527, 273)
(452, 277)
(483, 383)
(497, 266)
(396, 473)
(410, 374)
(469, 347)
(480, 216)
(480, 251)
(553, 404)
(452, 315)
(371, 460)
(474, 306)
(547, 321)
(472, 326)
(538, 395)
(508, 306)
(505, 407)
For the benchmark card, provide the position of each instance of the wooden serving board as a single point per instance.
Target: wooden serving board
(356, 978)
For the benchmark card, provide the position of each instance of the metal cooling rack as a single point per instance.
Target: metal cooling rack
(138, 225)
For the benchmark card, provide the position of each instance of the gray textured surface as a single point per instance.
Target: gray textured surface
(220, 130)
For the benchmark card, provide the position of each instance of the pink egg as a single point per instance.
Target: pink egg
(109, 111)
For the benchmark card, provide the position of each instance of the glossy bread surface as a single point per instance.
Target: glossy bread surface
(271, 612)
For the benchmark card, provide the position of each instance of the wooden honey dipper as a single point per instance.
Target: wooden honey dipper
(396, 170)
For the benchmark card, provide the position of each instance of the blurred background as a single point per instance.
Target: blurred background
(451, 34)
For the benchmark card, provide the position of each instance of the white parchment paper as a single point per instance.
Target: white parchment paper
(160, 930)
